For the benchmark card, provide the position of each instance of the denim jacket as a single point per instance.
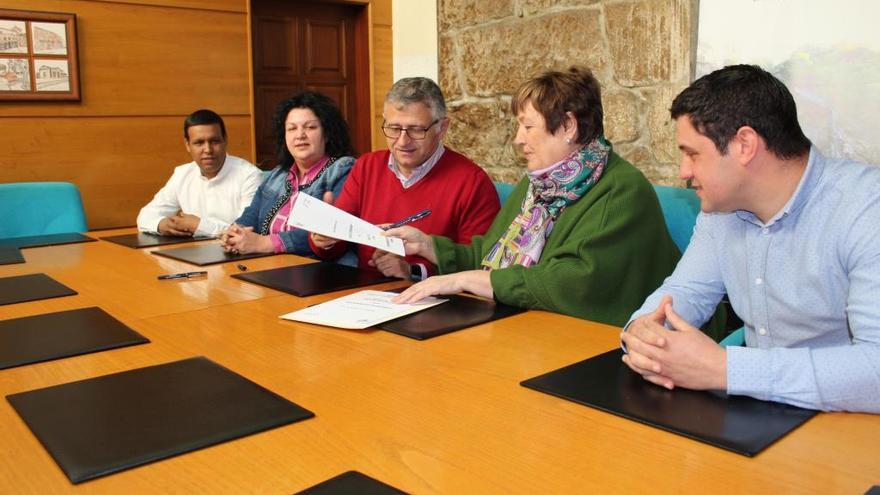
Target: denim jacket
(272, 189)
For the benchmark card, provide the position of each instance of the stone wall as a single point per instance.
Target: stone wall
(640, 50)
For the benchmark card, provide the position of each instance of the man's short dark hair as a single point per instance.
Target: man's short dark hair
(333, 125)
(203, 117)
(721, 102)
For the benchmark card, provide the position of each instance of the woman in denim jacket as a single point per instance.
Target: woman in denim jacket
(314, 153)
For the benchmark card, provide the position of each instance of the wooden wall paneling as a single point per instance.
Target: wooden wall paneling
(118, 164)
(70, 5)
(383, 78)
(380, 62)
(325, 49)
(274, 57)
(249, 56)
(226, 5)
(363, 91)
(133, 61)
(381, 12)
(309, 45)
(270, 97)
(144, 66)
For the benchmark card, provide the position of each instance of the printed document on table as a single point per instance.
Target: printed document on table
(316, 216)
(360, 310)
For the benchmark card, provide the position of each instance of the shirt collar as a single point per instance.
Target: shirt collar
(803, 192)
(310, 174)
(419, 172)
(223, 172)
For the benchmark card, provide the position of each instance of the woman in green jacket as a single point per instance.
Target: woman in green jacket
(582, 234)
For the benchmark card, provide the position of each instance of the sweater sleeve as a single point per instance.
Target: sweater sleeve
(580, 277)
(347, 196)
(479, 209)
(594, 265)
(455, 256)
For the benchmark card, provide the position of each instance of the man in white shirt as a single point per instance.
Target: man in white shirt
(206, 195)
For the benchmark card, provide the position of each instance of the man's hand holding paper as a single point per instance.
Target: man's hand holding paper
(316, 216)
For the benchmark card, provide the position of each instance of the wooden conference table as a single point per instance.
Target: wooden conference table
(446, 415)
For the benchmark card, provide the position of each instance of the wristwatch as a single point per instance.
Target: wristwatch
(415, 272)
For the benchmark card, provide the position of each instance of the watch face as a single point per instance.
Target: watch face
(415, 272)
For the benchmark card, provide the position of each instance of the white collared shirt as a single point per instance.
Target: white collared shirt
(217, 201)
(419, 172)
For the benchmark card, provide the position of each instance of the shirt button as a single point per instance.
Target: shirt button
(765, 231)
(762, 331)
(759, 281)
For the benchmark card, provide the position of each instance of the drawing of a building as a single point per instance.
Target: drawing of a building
(46, 40)
(11, 39)
(46, 72)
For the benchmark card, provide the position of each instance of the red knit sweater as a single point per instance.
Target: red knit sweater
(461, 197)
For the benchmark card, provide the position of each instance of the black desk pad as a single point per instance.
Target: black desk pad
(144, 240)
(313, 278)
(56, 335)
(10, 255)
(458, 313)
(351, 483)
(741, 424)
(206, 254)
(115, 422)
(45, 240)
(33, 287)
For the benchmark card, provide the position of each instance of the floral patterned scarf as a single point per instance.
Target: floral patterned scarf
(549, 193)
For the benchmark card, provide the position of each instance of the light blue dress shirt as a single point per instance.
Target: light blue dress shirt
(806, 284)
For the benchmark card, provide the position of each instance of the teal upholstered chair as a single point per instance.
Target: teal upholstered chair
(39, 208)
(503, 191)
(680, 209)
(735, 339)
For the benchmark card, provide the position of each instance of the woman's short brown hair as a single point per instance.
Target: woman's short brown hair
(553, 93)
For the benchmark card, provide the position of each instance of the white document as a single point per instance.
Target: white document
(319, 217)
(359, 310)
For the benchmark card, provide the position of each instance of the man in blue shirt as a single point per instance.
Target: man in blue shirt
(791, 237)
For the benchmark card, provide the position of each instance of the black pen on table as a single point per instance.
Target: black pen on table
(410, 219)
(181, 275)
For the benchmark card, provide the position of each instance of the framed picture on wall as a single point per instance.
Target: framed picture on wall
(38, 57)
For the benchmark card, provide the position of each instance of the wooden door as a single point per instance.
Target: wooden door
(309, 45)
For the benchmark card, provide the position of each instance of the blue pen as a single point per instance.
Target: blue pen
(409, 219)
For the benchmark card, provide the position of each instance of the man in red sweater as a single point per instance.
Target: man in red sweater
(416, 173)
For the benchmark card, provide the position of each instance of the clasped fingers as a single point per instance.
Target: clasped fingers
(649, 369)
(648, 331)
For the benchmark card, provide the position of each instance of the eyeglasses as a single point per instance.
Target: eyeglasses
(394, 131)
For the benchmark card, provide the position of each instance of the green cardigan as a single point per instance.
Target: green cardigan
(606, 253)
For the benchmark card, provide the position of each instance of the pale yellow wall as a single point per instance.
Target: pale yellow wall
(415, 38)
